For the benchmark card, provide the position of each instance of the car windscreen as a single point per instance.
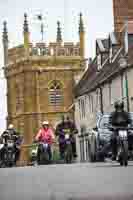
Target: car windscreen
(104, 122)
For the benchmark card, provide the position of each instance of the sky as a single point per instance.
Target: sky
(98, 23)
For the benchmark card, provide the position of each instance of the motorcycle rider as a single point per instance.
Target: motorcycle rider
(118, 118)
(59, 132)
(13, 135)
(61, 127)
(73, 130)
(46, 135)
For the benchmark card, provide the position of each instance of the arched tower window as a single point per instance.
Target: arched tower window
(56, 93)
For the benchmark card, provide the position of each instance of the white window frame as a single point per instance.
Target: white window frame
(99, 62)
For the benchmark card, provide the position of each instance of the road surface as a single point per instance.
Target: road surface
(99, 181)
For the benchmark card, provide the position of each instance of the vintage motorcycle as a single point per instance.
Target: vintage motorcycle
(41, 158)
(68, 154)
(9, 153)
(122, 134)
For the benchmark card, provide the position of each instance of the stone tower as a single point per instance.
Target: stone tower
(40, 80)
(123, 10)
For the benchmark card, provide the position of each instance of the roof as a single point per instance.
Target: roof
(96, 79)
(113, 38)
(93, 79)
(103, 44)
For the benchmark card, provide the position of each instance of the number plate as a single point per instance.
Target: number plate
(123, 134)
(10, 143)
(45, 145)
(66, 136)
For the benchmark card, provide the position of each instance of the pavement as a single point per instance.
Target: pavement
(96, 181)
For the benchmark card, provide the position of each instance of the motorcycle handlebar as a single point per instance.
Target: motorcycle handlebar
(120, 127)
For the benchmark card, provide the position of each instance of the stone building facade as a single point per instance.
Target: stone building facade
(40, 80)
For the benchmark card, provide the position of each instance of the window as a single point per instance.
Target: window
(56, 93)
(79, 101)
(83, 108)
(91, 103)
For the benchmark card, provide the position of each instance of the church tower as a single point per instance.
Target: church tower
(40, 80)
(123, 10)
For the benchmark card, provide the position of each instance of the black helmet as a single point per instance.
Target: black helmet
(119, 105)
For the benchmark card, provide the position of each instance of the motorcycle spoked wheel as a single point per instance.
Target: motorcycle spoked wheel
(123, 157)
(9, 160)
(68, 154)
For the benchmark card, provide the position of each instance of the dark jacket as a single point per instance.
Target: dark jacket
(10, 134)
(120, 119)
(65, 125)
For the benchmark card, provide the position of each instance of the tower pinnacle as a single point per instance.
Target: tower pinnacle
(81, 36)
(81, 25)
(26, 34)
(5, 33)
(25, 23)
(5, 42)
(59, 37)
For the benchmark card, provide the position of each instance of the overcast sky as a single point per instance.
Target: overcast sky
(98, 22)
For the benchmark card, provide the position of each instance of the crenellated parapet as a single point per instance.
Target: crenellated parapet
(43, 50)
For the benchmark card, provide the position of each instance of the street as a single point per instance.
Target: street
(75, 181)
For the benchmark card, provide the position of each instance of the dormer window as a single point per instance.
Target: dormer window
(99, 61)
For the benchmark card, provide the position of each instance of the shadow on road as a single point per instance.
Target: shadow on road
(130, 197)
(111, 165)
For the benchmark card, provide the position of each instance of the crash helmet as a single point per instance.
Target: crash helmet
(45, 123)
(119, 105)
(11, 126)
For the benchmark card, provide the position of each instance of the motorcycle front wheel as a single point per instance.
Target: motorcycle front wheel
(124, 153)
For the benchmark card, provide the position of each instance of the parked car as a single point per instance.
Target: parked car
(99, 137)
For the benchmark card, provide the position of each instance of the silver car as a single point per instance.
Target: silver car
(99, 138)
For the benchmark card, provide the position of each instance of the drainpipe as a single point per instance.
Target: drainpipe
(127, 93)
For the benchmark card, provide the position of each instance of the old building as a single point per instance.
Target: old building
(108, 79)
(123, 10)
(40, 80)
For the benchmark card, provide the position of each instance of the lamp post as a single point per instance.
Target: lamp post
(124, 64)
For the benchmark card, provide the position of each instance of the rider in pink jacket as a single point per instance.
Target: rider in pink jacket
(45, 135)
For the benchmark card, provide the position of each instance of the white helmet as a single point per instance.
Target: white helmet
(45, 123)
(11, 126)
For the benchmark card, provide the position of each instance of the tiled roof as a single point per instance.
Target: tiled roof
(92, 78)
(98, 78)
